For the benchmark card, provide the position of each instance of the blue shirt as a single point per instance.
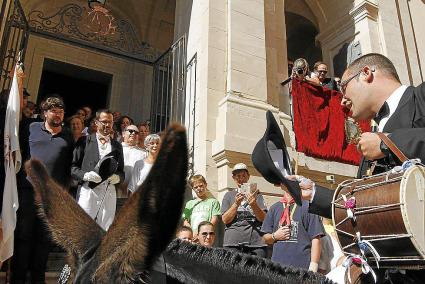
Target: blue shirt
(305, 227)
(55, 151)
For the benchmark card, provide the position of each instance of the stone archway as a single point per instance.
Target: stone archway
(301, 38)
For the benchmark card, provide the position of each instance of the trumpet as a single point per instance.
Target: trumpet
(352, 131)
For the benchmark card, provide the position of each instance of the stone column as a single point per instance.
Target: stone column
(241, 113)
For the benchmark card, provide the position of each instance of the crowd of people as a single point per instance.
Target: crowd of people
(75, 148)
(250, 227)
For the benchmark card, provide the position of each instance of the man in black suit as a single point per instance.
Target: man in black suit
(372, 90)
(100, 201)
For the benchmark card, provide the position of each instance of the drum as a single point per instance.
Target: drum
(385, 216)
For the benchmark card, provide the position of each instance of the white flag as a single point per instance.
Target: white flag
(12, 161)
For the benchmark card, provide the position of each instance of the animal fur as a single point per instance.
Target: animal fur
(140, 232)
(143, 229)
(193, 264)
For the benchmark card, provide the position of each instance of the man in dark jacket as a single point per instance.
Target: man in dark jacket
(372, 90)
(98, 201)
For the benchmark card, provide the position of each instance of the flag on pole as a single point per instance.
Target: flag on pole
(12, 161)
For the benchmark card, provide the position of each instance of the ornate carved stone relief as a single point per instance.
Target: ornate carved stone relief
(96, 28)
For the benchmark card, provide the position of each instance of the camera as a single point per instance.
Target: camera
(299, 71)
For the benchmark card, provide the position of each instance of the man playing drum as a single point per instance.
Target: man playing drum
(372, 89)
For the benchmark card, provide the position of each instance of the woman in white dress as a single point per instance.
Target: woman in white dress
(142, 167)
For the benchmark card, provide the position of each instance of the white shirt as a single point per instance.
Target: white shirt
(132, 154)
(99, 202)
(140, 172)
(104, 149)
(392, 102)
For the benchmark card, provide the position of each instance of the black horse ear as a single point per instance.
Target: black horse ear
(271, 159)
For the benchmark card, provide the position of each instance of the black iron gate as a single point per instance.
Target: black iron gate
(14, 40)
(168, 92)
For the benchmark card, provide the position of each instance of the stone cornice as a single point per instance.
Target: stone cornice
(343, 24)
(238, 98)
(365, 9)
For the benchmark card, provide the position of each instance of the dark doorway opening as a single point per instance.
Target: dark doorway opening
(78, 86)
(301, 39)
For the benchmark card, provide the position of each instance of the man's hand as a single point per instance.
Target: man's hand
(239, 198)
(306, 186)
(283, 233)
(92, 176)
(251, 198)
(114, 179)
(369, 146)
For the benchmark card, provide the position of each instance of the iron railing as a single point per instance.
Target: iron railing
(168, 92)
(14, 40)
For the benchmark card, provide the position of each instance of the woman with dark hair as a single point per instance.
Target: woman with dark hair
(120, 126)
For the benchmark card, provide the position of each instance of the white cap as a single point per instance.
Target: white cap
(239, 166)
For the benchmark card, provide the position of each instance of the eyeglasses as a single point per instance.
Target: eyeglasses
(131, 131)
(322, 71)
(105, 122)
(205, 234)
(343, 84)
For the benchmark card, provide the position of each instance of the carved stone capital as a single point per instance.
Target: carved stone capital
(365, 9)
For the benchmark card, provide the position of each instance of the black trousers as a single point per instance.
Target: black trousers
(32, 242)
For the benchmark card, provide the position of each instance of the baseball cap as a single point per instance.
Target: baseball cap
(239, 166)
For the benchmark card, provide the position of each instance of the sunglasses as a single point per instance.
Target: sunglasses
(132, 131)
(205, 234)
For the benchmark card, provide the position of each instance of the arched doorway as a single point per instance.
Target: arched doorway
(301, 38)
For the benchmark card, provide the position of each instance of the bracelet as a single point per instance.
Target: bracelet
(273, 237)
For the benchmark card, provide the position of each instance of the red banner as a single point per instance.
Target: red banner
(319, 124)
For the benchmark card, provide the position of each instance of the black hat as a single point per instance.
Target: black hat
(271, 158)
(106, 167)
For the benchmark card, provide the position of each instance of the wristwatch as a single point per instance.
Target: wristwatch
(384, 149)
(273, 237)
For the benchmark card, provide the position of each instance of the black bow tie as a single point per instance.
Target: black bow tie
(383, 112)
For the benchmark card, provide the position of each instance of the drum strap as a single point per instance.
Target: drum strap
(394, 149)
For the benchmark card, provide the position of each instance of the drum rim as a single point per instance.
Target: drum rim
(403, 209)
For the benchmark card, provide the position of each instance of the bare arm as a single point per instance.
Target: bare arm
(281, 234)
(258, 212)
(214, 220)
(315, 252)
(230, 214)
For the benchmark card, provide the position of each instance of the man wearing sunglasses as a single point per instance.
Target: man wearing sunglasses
(320, 70)
(132, 153)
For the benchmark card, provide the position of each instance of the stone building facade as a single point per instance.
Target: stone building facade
(241, 50)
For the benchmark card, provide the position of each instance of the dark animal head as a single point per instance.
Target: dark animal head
(140, 232)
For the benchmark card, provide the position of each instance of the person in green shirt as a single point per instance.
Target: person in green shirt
(203, 208)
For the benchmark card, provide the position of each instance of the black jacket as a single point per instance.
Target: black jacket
(407, 130)
(86, 156)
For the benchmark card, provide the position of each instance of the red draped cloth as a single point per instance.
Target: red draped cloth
(319, 124)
